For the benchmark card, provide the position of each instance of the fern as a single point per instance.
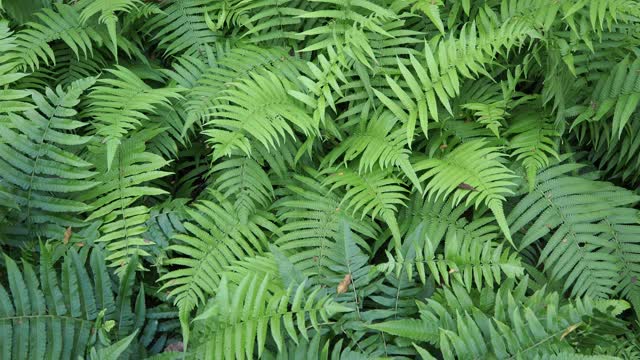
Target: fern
(472, 170)
(240, 317)
(64, 24)
(376, 146)
(50, 313)
(244, 178)
(435, 84)
(44, 174)
(574, 211)
(311, 216)
(537, 328)
(231, 64)
(532, 143)
(619, 89)
(464, 260)
(260, 108)
(181, 27)
(107, 10)
(10, 99)
(118, 105)
(114, 200)
(214, 232)
(373, 193)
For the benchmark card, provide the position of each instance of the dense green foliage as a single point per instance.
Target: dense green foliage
(319, 179)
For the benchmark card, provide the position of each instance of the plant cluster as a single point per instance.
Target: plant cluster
(319, 179)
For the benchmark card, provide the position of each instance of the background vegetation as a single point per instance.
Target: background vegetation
(301, 179)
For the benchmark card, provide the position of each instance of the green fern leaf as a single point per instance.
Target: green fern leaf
(40, 166)
(239, 317)
(115, 200)
(575, 212)
(375, 193)
(54, 313)
(477, 166)
(118, 105)
(216, 229)
(62, 24)
(258, 109)
(311, 215)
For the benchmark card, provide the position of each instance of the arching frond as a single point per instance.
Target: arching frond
(182, 27)
(375, 193)
(265, 20)
(311, 215)
(48, 312)
(378, 145)
(118, 105)
(209, 79)
(472, 170)
(244, 180)
(62, 24)
(574, 211)
(517, 326)
(465, 260)
(258, 109)
(349, 266)
(240, 317)
(11, 100)
(215, 230)
(532, 142)
(107, 10)
(618, 93)
(436, 83)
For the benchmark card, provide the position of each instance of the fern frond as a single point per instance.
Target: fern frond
(209, 79)
(240, 317)
(310, 214)
(64, 24)
(436, 83)
(165, 221)
(465, 260)
(531, 140)
(107, 10)
(37, 155)
(264, 20)
(244, 180)
(316, 348)
(490, 115)
(114, 201)
(118, 105)
(70, 68)
(182, 27)
(215, 230)
(616, 158)
(375, 193)
(11, 100)
(380, 143)
(517, 326)
(348, 259)
(619, 92)
(321, 83)
(623, 229)
(435, 218)
(259, 109)
(574, 211)
(55, 313)
(472, 170)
